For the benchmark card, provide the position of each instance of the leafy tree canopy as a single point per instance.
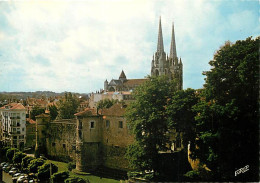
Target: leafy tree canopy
(34, 164)
(106, 103)
(10, 153)
(60, 176)
(46, 169)
(53, 112)
(36, 110)
(68, 106)
(148, 122)
(17, 158)
(227, 115)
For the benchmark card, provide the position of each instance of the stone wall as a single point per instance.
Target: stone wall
(61, 140)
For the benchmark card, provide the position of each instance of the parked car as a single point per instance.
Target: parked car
(21, 178)
(17, 174)
(13, 171)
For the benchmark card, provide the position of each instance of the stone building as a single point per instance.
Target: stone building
(102, 139)
(122, 84)
(163, 64)
(30, 133)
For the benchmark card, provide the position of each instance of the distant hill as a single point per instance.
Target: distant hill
(37, 94)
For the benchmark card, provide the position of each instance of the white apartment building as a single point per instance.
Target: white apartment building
(13, 125)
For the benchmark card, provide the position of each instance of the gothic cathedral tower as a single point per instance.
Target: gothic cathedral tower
(164, 65)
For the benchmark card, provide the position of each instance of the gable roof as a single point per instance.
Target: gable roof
(134, 82)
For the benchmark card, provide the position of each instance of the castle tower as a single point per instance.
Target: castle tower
(171, 66)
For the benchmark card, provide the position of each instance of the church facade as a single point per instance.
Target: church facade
(162, 64)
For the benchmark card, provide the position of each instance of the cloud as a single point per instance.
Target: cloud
(76, 45)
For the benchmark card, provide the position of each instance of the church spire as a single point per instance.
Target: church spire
(173, 53)
(160, 38)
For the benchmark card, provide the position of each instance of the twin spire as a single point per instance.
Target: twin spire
(173, 53)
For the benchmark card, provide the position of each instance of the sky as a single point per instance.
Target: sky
(76, 45)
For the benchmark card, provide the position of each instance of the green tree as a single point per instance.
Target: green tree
(227, 115)
(44, 170)
(106, 103)
(34, 164)
(18, 157)
(181, 116)
(148, 122)
(60, 176)
(36, 110)
(3, 151)
(25, 162)
(10, 153)
(53, 112)
(75, 180)
(68, 106)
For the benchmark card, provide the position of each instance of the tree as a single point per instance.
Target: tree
(17, 158)
(181, 116)
(106, 103)
(68, 106)
(10, 153)
(60, 176)
(34, 164)
(227, 115)
(75, 180)
(25, 162)
(36, 110)
(148, 122)
(3, 151)
(53, 112)
(44, 170)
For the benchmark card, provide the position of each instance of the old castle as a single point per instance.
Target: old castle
(100, 138)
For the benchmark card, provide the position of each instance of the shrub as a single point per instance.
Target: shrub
(76, 180)
(60, 176)
(34, 164)
(71, 166)
(10, 153)
(44, 171)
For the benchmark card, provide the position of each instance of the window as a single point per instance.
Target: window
(107, 123)
(21, 137)
(120, 124)
(53, 144)
(92, 124)
(23, 129)
(15, 137)
(64, 146)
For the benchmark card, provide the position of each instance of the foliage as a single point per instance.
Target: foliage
(71, 166)
(180, 113)
(60, 176)
(53, 112)
(45, 170)
(67, 107)
(3, 151)
(192, 175)
(106, 103)
(147, 120)
(75, 180)
(227, 115)
(36, 110)
(26, 161)
(34, 164)
(10, 153)
(17, 158)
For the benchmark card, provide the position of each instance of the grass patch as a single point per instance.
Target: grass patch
(64, 167)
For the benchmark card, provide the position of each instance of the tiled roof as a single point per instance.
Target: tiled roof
(132, 82)
(115, 110)
(30, 121)
(13, 106)
(87, 112)
(42, 116)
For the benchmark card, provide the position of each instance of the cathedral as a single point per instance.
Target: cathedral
(162, 64)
